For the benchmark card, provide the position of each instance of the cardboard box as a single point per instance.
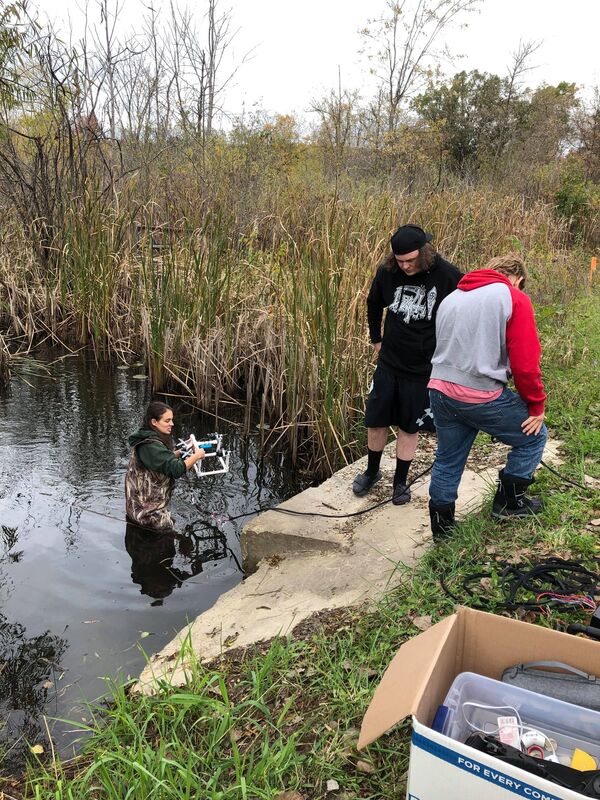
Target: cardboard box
(418, 679)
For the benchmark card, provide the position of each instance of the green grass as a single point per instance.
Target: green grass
(285, 716)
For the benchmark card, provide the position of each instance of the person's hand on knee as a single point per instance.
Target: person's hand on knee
(533, 425)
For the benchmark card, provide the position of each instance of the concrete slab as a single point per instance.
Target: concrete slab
(277, 533)
(308, 564)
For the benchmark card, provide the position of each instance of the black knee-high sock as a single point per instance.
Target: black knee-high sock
(374, 461)
(401, 474)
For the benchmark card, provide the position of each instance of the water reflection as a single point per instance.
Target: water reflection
(161, 562)
(78, 587)
(28, 667)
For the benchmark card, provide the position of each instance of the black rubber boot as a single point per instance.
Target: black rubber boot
(401, 494)
(364, 482)
(442, 521)
(511, 499)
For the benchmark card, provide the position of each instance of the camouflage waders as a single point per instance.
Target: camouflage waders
(147, 495)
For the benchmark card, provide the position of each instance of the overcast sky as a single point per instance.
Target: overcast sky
(299, 46)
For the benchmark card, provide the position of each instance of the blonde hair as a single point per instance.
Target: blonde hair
(511, 264)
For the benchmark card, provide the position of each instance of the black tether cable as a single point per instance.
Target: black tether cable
(562, 477)
(553, 575)
(354, 513)
(327, 516)
(377, 505)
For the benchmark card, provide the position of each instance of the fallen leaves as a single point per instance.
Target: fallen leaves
(365, 766)
(351, 733)
(520, 555)
(368, 672)
(306, 672)
(422, 623)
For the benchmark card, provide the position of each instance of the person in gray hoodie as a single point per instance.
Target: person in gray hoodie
(486, 334)
(153, 467)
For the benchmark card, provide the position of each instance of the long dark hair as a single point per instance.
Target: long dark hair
(427, 255)
(155, 411)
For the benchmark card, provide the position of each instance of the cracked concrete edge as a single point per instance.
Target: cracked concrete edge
(277, 533)
(274, 533)
(258, 545)
(221, 623)
(300, 586)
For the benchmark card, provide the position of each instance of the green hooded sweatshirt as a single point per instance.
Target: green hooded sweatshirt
(155, 455)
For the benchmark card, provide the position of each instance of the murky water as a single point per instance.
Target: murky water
(80, 591)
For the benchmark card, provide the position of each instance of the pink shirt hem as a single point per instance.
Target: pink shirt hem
(464, 394)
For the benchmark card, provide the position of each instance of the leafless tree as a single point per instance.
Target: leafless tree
(587, 126)
(197, 58)
(337, 113)
(516, 71)
(402, 43)
(53, 152)
(88, 102)
(110, 54)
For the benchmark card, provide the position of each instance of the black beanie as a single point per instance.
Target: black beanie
(408, 238)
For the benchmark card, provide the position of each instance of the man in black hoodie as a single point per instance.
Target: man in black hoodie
(410, 284)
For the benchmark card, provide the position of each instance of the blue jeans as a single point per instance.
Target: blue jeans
(457, 425)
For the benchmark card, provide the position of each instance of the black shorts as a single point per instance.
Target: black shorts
(394, 400)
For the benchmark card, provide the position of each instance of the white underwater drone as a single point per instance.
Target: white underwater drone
(213, 447)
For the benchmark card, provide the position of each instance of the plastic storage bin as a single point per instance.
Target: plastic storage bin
(568, 725)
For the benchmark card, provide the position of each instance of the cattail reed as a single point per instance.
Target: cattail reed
(265, 309)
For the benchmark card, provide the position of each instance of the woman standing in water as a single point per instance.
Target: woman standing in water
(152, 469)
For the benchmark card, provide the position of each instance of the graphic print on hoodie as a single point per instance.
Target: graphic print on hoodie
(410, 303)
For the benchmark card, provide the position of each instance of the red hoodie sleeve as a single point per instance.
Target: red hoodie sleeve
(524, 353)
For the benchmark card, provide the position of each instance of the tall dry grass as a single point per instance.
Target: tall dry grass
(266, 311)
(4, 364)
